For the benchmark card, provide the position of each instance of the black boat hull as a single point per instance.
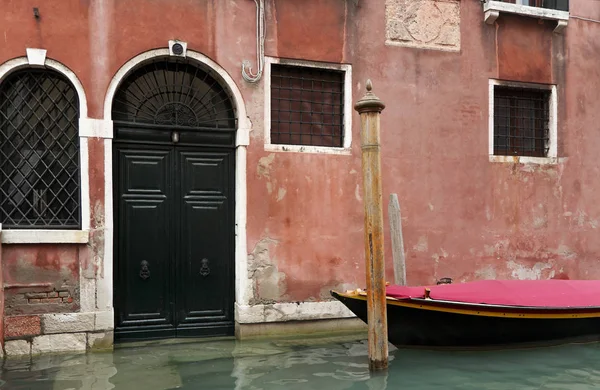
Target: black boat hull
(416, 326)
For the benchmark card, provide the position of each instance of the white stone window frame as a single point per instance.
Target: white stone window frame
(36, 58)
(493, 8)
(346, 148)
(552, 156)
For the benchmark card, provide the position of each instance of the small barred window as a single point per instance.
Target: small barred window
(521, 122)
(307, 106)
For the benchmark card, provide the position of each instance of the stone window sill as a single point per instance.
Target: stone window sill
(492, 10)
(44, 236)
(525, 160)
(307, 149)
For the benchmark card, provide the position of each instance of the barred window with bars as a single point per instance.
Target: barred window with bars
(39, 151)
(307, 106)
(521, 121)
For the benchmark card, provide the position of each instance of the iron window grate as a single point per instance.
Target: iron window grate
(521, 122)
(174, 92)
(307, 106)
(39, 151)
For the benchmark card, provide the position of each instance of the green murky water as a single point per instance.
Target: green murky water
(290, 364)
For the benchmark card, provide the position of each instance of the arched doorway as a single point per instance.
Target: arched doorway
(174, 199)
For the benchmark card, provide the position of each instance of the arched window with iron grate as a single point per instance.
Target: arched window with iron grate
(39, 151)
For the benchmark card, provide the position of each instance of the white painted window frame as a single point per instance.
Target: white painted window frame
(493, 8)
(552, 157)
(346, 149)
(37, 58)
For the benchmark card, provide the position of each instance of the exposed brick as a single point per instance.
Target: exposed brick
(21, 326)
(35, 300)
(63, 294)
(68, 300)
(52, 300)
(36, 295)
(53, 294)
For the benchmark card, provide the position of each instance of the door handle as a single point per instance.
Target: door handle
(175, 137)
(204, 268)
(144, 270)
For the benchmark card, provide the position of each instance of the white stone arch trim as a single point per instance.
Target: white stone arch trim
(23, 236)
(243, 289)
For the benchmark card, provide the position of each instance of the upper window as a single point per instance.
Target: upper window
(556, 10)
(561, 5)
(307, 106)
(39, 151)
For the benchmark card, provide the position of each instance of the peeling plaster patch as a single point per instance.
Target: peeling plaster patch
(281, 193)
(580, 218)
(522, 272)
(487, 272)
(357, 193)
(489, 250)
(566, 252)
(353, 172)
(264, 166)
(528, 168)
(268, 283)
(269, 187)
(422, 245)
(431, 207)
(540, 222)
(488, 213)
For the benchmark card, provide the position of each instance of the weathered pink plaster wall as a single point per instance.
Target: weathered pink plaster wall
(463, 216)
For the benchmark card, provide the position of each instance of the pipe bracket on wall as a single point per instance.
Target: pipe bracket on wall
(260, 46)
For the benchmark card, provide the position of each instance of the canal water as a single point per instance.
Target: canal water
(304, 363)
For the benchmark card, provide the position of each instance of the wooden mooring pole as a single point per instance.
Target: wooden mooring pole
(369, 108)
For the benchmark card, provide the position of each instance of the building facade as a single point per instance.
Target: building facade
(154, 184)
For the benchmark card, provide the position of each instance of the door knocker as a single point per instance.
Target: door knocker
(204, 269)
(144, 270)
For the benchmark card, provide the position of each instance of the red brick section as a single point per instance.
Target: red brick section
(22, 326)
(49, 297)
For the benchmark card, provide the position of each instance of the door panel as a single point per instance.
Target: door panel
(174, 239)
(144, 244)
(206, 239)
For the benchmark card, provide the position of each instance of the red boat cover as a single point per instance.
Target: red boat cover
(534, 293)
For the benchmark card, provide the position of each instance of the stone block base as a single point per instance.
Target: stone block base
(57, 333)
(330, 327)
(59, 343)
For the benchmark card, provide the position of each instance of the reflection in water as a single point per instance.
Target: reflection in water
(305, 364)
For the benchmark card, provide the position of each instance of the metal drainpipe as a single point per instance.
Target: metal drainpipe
(260, 46)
